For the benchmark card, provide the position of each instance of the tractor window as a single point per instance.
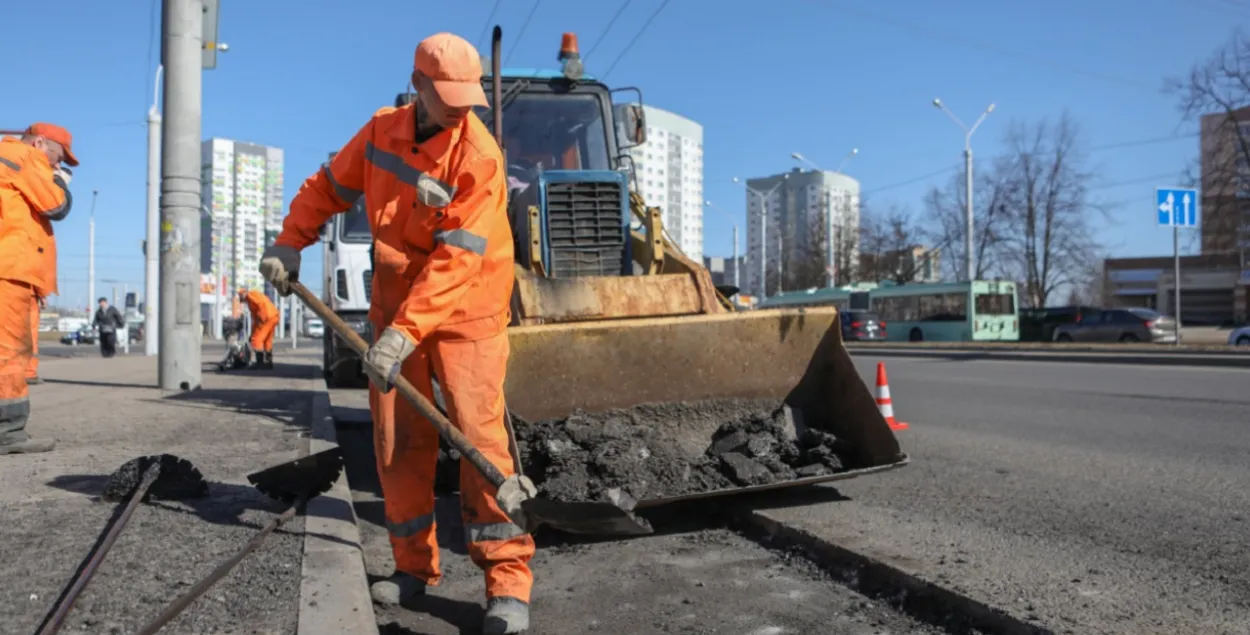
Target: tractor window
(554, 132)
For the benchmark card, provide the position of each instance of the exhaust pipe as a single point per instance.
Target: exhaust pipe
(496, 85)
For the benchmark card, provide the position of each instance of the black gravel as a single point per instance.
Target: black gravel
(671, 449)
(166, 548)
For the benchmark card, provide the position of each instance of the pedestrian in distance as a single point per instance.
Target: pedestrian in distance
(107, 320)
(265, 316)
(34, 193)
(433, 181)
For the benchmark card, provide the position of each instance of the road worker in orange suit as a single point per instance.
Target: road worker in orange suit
(34, 192)
(432, 178)
(37, 305)
(265, 318)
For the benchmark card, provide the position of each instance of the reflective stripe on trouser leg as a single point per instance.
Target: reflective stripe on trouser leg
(15, 352)
(472, 378)
(32, 367)
(408, 482)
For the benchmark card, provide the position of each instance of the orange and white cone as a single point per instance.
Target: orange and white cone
(884, 403)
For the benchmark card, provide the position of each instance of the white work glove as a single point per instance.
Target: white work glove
(279, 266)
(384, 359)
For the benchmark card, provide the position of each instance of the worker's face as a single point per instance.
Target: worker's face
(433, 108)
(50, 149)
(103, 304)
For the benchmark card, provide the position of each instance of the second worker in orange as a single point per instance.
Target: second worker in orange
(433, 181)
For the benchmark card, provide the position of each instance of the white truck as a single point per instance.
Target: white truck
(346, 287)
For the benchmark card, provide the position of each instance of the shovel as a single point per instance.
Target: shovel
(516, 495)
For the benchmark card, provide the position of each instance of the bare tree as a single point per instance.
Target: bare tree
(1216, 93)
(806, 260)
(892, 246)
(946, 208)
(1046, 225)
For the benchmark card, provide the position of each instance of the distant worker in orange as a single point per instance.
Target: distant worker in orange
(432, 177)
(265, 318)
(34, 191)
(37, 305)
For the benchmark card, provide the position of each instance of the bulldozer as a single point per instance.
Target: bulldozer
(607, 312)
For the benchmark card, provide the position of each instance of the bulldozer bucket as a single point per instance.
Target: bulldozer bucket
(794, 355)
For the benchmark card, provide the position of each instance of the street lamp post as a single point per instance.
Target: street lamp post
(764, 230)
(735, 226)
(969, 268)
(830, 264)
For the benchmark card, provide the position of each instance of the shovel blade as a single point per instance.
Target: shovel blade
(595, 519)
(303, 478)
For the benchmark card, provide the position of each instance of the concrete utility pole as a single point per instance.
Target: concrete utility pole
(91, 252)
(151, 252)
(180, 331)
(969, 261)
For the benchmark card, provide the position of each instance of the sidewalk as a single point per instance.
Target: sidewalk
(104, 412)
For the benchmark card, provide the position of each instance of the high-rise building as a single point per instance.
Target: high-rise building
(670, 176)
(806, 211)
(243, 209)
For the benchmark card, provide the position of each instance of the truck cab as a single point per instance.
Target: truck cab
(346, 288)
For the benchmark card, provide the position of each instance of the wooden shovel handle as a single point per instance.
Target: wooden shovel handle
(405, 388)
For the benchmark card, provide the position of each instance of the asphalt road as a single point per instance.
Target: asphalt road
(1090, 498)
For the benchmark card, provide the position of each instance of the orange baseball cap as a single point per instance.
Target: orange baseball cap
(58, 134)
(454, 66)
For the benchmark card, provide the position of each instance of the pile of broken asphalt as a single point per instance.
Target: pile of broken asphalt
(671, 449)
(105, 412)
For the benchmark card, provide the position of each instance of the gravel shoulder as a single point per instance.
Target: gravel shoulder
(702, 581)
(106, 412)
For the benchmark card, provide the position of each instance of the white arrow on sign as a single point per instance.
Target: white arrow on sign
(1185, 205)
(1168, 206)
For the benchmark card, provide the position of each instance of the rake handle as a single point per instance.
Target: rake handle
(405, 388)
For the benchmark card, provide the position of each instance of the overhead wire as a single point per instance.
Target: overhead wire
(1098, 148)
(606, 30)
(486, 25)
(946, 36)
(521, 32)
(634, 41)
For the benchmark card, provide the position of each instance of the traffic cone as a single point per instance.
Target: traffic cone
(884, 404)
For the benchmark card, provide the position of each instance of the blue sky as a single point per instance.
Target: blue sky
(764, 79)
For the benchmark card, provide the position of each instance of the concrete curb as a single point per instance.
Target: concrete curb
(334, 590)
(873, 577)
(1147, 359)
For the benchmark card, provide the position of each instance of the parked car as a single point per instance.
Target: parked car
(862, 326)
(1240, 337)
(85, 335)
(314, 328)
(1120, 325)
(1038, 325)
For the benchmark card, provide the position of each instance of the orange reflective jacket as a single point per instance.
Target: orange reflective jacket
(31, 197)
(261, 307)
(442, 244)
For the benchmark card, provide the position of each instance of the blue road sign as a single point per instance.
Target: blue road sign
(1176, 206)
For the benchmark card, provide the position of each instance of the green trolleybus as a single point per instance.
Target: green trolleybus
(977, 311)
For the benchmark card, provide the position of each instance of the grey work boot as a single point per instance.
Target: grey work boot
(21, 443)
(506, 616)
(400, 588)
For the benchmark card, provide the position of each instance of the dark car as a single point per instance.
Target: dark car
(863, 326)
(1120, 325)
(1038, 325)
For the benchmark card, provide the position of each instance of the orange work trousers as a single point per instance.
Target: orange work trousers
(32, 369)
(262, 335)
(15, 352)
(471, 375)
